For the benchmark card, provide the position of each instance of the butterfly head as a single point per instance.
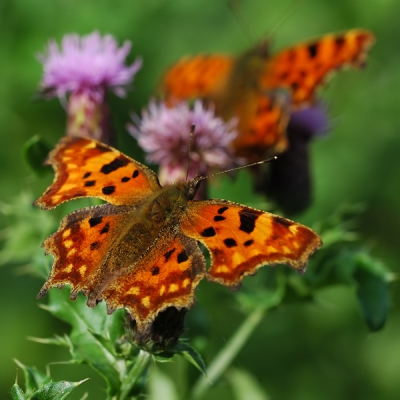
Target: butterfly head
(191, 187)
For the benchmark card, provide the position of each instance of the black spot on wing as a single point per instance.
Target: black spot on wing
(135, 173)
(94, 245)
(182, 256)
(117, 163)
(102, 148)
(95, 221)
(340, 41)
(168, 254)
(106, 228)
(248, 220)
(249, 242)
(87, 174)
(312, 49)
(108, 189)
(229, 242)
(125, 179)
(219, 218)
(282, 221)
(222, 210)
(156, 271)
(90, 183)
(208, 232)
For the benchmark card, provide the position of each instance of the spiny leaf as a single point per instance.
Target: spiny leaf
(17, 393)
(55, 390)
(88, 339)
(34, 379)
(191, 355)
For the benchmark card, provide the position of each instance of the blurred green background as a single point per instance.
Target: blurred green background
(320, 350)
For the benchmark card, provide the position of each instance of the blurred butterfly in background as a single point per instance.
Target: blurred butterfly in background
(263, 91)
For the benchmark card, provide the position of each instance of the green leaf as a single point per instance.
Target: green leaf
(263, 293)
(57, 340)
(245, 386)
(17, 393)
(89, 336)
(55, 390)
(372, 281)
(161, 386)
(190, 354)
(27, 226)
(34, 379)
(34, 152)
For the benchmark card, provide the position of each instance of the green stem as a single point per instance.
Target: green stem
(134, 374)
(228, 353)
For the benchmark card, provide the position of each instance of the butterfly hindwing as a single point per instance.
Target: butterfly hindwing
(241, 239)
(87, 168)
(80, 246)
(166, 276)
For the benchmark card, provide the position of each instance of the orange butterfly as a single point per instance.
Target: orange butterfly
(140, 250)
(262, 90)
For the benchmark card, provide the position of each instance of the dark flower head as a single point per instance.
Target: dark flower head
(311, 121)
(288, 179)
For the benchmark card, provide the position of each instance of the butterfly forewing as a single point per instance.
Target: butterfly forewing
(305, 66)
(87, 168)
(200, 76)
(241, 239)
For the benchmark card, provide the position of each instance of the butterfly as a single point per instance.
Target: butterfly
(139, 250)
(262, 89)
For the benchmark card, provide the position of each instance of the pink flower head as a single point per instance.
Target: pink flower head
(164, 133)
(90, 63)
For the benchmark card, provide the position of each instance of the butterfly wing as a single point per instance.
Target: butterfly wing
(87, 168)
(166, 277)
(304, 67)
(95, 251)
(241, 239)
(201, 76)
(262, 122)
(80, 246)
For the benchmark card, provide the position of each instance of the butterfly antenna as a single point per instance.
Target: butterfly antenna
(281, 19)
(201, 178)
(192, 129)
(243, 22)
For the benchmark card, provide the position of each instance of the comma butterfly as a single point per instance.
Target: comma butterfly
(262, 90)
(140, 251)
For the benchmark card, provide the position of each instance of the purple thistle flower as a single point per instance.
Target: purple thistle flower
(164, 134)
(85, 67)
(89, 63)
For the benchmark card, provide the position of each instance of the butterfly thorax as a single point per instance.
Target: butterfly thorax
(145, 228)
(166, 205)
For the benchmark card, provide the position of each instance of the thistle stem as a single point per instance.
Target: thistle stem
(224, 358)
(142, 362)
